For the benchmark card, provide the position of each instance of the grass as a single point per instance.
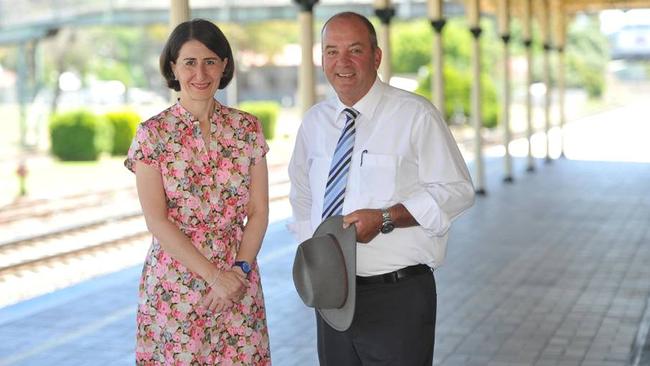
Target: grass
(47, 177)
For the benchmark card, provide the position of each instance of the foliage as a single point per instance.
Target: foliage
(119, 55)
(457, 44)
(412, 52)
(458, 86)
(586, 56)
(8, 57)
(411, 44)
(267, 112)
(124, 124)
(67, 51)
(127, 54)
(267, 38)
(79, 135)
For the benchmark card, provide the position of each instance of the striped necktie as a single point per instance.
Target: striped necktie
(338, 174)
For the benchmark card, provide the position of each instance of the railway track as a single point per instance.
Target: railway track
(90, 237)
(43, 208)
(78, 240)
(92, 246)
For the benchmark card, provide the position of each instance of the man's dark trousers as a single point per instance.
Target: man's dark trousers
(394, 324)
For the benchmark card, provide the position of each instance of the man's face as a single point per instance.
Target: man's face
(349, 62)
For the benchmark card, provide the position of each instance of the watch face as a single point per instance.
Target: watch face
(245, 267)
(387, 227)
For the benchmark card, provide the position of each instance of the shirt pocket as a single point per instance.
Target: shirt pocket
(378, 178)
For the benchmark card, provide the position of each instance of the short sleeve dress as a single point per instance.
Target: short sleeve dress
(207, 189)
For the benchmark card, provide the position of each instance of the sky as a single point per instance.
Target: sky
(613, 20)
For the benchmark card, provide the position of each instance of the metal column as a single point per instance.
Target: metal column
(503, 17)
(560, 40)
(306, 81)
(385, 12)
(546, 37)
(179, 12)
(528, 44)
(437, 71)
(473, 15)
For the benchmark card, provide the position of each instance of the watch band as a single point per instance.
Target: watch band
(245, 266)
(387, 224)
(385, 215)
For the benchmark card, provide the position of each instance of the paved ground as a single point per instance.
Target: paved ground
(550, 270)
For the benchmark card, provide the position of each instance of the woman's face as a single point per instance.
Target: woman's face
(198, 71)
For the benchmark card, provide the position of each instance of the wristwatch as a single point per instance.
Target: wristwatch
(245, 266)
(387, 224)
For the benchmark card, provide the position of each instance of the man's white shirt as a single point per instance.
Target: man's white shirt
(403, 153)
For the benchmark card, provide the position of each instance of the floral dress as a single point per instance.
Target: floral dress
(207, 189)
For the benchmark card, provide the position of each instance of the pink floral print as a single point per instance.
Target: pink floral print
(207, 189)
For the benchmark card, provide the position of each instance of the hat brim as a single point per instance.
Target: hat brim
(341, 318)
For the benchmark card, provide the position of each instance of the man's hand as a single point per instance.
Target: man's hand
(367, 221)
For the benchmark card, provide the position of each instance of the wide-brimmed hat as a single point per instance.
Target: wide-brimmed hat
(324, 272)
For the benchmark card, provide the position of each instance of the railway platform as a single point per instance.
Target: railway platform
(550, 270)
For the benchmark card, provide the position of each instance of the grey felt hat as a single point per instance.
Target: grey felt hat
(324, 272)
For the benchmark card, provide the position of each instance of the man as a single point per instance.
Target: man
(385, 159)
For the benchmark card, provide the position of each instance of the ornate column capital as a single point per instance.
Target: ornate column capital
(476, 32)
(385, 15)
(438, 24)
(306, 5)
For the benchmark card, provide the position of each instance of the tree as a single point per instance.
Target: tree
(65, 52)
(412, 42)
(587, 54)
(411, 46)
(128, 54)
(267, 38)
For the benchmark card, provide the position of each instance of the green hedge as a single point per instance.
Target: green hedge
(124, 124)
(267, 112)
(79, 135)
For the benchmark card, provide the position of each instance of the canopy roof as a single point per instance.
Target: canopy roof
(33, 19)
(573, 6)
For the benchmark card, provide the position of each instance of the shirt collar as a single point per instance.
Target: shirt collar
(188, 118)
(368, 103)
(183, 114)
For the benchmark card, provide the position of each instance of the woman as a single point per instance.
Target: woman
(202, 182)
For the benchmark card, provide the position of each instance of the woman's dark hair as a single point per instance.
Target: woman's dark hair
(205, 32)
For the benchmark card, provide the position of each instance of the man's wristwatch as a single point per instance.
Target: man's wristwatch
(387, 224)
(245, 266)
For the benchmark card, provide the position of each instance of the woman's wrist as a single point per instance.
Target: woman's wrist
(213, 279)
(239, 271)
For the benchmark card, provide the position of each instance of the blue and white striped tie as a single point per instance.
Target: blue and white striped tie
(338, 175)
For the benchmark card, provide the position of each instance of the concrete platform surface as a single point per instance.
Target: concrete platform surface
(552, 270)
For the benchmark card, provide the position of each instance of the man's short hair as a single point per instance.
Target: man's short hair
(350, 14)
